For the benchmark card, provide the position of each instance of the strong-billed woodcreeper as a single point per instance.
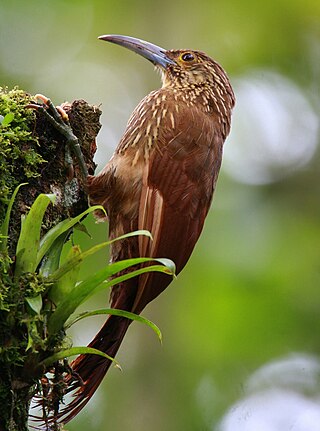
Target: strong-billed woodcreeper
(161, 178)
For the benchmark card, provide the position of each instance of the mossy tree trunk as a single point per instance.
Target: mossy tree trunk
(32, 151)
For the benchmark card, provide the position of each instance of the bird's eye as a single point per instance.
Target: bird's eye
(187, 56)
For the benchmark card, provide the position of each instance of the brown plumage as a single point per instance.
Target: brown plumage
(160, 178)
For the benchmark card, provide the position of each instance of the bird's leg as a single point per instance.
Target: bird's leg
(58, 117)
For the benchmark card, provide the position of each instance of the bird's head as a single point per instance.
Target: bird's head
(181, 69)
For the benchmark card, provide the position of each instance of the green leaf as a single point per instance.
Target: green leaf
(4, 229)
(92, 285)
(33, 335)
(82, 228)
(67, 282)
(35, 303)
(7, 119)
(51, 261)
(121, 278)
(168, 264)
(70, 264)
(29, 239)
(62, 227)
(116, 312)
(130, 234)
(76, 351)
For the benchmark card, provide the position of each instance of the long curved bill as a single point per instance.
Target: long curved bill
(148, 50)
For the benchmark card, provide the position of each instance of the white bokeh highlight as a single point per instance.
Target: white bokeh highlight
(283, 395)
(274, 129)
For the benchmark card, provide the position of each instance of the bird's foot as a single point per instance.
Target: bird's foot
(58, 117)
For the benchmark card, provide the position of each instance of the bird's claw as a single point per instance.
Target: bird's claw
(58, 117)
(57, 112)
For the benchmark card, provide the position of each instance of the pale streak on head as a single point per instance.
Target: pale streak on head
(136, 158)
(136, 139)
(148, 129)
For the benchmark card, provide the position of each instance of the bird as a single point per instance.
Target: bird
(161, 178)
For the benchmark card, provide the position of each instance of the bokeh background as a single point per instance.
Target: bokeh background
(241, 324)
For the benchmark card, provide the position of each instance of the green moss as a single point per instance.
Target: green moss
(16, 318)
(23, 342)
(19, 158)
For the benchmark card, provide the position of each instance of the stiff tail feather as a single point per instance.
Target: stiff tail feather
(89, 370)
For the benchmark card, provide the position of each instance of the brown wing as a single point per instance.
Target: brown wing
(177, 188)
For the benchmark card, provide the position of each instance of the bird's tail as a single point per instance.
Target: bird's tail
(88, 370)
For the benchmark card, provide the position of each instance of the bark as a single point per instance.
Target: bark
(55, 176)
(49, 174)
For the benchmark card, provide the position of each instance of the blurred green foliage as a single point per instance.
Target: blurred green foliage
(250, 293)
